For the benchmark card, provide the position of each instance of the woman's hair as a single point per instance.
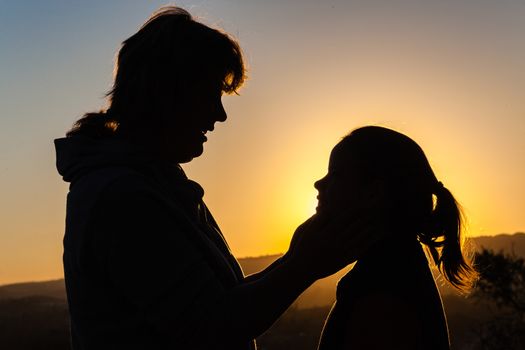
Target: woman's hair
(171, 52)
(418, 202)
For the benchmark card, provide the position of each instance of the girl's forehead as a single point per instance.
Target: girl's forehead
(341, 155)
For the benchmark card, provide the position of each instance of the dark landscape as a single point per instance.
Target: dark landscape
(34, 315)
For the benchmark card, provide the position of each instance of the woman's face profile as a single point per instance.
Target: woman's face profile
(188, 120)
(341, 188)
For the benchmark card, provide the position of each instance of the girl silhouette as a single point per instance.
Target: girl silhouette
(389, 300)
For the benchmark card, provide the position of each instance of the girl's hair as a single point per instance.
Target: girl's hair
(418, 201)
(170, 53)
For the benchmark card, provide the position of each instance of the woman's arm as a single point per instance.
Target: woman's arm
(153, 265)
(260, 274)
(253, 306)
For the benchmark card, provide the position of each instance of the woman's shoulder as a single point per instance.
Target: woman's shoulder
(128, 182)
(110, 194)
(113, 182)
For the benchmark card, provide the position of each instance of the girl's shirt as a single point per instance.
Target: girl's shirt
(393, 291)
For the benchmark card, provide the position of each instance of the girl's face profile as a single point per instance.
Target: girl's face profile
(342, 188)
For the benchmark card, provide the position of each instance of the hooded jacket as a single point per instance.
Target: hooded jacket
(144, 261)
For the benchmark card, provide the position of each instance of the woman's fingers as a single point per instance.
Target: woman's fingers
(327, 244)
(352, 234)
(348, 223)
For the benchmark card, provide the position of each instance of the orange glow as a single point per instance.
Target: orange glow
(445, 78)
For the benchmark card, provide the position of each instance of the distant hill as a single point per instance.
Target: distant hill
(320, 294)
(255, 264)
(52, 289)
(508, 243)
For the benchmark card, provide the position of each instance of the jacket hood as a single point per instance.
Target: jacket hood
(79, 155)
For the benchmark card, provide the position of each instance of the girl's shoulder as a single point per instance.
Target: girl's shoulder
(406, 280)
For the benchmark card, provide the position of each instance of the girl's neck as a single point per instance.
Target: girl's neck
(397, 247)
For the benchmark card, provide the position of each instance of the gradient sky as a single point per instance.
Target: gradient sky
(450, 74)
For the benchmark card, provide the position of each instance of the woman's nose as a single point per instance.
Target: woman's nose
(220, 113)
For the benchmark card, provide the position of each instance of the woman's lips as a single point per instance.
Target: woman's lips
(204, 130)
(202, 134)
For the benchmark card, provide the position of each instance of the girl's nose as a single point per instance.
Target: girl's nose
(318, 185)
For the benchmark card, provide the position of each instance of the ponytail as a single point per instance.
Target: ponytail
(444, 241)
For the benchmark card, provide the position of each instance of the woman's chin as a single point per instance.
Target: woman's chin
(189, 154)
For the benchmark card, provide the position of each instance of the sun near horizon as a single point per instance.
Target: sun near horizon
(451, 75)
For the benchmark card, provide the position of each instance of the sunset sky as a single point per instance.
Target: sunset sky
(450, 74)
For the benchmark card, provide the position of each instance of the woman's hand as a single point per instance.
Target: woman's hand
(323, 245)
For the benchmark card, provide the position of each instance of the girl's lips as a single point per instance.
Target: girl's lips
(319, 204)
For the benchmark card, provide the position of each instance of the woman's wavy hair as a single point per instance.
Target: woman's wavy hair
(419, 203)
(171, 52)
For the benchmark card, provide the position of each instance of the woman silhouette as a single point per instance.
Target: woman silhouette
(389, 299)
(146, 265)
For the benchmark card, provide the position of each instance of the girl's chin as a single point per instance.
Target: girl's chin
(336, 211)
